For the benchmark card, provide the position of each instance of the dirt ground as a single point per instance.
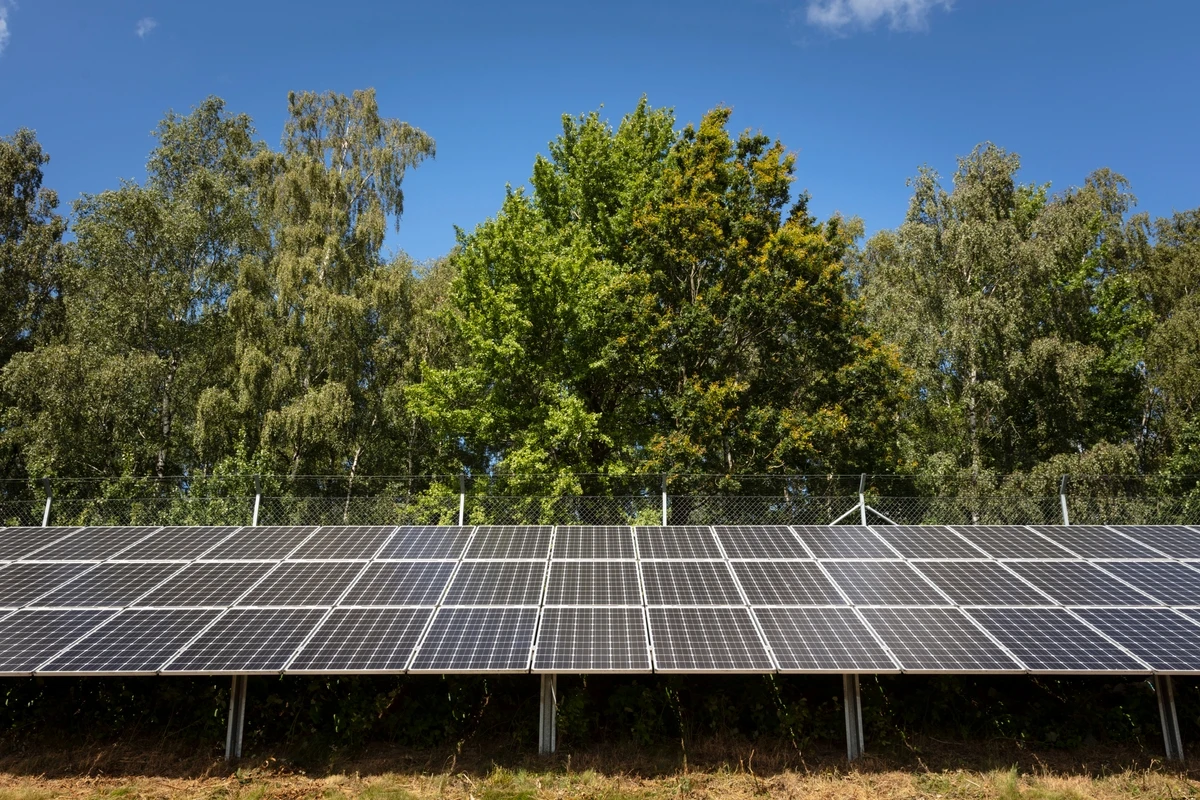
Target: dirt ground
(923, 769)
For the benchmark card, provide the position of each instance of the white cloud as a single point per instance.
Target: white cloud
(144, 26)
(839, 16)
(4, 33)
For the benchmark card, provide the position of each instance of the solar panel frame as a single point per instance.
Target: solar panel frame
(369, 629)
(928, 542)
(30, 638)
(593, 583)
(271, 543)
(1165, 639)
(625, 650)
(694, 639)
(510, 542)
(22, 583)
(786, 583)
(426, 543)
(94, 543)
(747, 542)
(134, 638)
(689, 583)
(1079, 583)
(246, 641)
(175, 543)
(400, 584)
(594, 542)
(300, 584)
(478, 627)
(883, 583)
(343, 543)
(844, 542)
(1094, 542)
(207, 585)
(1054, 641)
(495, 583)
(1012, 542)
(938, 641)
(822, 639)
(111, 585)
(1176, 541)
(676, 543)
(1169, 582)
(981, 583)
(22, 541)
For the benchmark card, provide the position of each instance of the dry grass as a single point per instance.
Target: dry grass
(926, 769)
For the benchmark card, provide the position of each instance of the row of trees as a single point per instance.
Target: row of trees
(660, 300)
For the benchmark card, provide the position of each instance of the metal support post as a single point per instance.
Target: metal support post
(862, 497)
(49, 497)
(1172, 741)
(854, 726)
(1062, 499)
(664, 499)
(237, 718)
(257, 500)
(548, 721)
(462, 499)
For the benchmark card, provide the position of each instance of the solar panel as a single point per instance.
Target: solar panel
(593, 583)
(883, 583)
(363, 640)
(1162, 638)
(478, 640)
(760, 541)
(822, 640)
(981, 583)
(599, 542)
(510, 541)
(1095, 541)
(786, 583)
(1011, 541)
(92, 544)
(1051, 640)
(1169, 582)
(400, 583)
(210, 585)
(928, 541)
(344, 542)
(303, 584)
(691, 583)
(246, 640)
(260, 544)
(503, 583)
(937, 640)
(177, 543)
(109, 586)
(135, 641)
(1174, 540)
(843, 541)
(22, 542)
(21, 584)
(678, 541)
(29, 639)
(707, 640)
(434, 542)
(592, 640)
(1077, 583)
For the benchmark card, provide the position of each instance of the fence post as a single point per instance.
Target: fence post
(664, 499)
(462, 498)
(49, 497)
(862, 496)
(1062, 500)
(257, 500)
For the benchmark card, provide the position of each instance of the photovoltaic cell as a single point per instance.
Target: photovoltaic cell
(689, 583)
(177, 543)
(434, 542)
(1167, 581)
(109, 586)
(247, 640)
(1011, 541)
(29, 639)
(22, 542)
(706, 640)
(1051, 640)
(928, 541)
(260, 544)
(786, 583)
(937, 640)
(478, 640)
(92, 544)
(211, 585)
(593, 583)
(1174, 540)
(400, 583)
(843, 541)
(1095, 541)
(981, 583)
(883, 583)
(822, 639)
(760, 541)
(135, 641)
(1077, 583)
(363, 640)
(303, 584)
(502, 583)
(592, 640)
(510, 541)
(22, 584)
(679, 541)
(1163, 639)
(598, 542)
(344, 542)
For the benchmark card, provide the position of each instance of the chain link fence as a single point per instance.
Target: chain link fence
(574, 499)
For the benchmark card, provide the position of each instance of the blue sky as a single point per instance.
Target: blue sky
(864, 91)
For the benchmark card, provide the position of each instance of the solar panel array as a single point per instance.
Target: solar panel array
(209, 600)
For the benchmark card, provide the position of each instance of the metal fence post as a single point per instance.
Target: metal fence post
(1062, 500)
(257, 500)
(49, 497)
(664, 499)
(862, 496)
(462, 499)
